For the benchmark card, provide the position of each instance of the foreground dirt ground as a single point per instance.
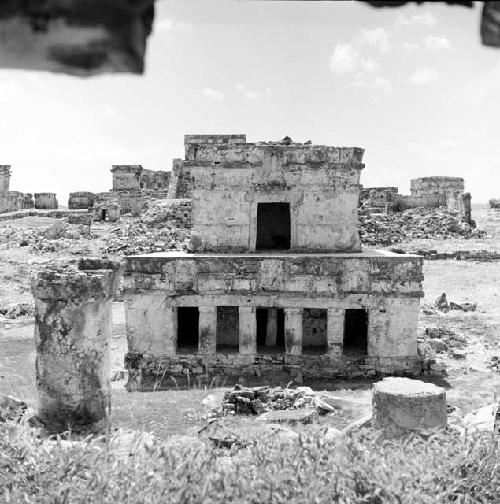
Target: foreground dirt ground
(470, 382)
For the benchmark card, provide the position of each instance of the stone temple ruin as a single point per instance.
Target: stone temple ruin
(424, 192)
(276, 287)
(133, 188)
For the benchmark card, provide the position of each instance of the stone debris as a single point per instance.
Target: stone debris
(165, 226)
(292, 416)
(261, 400)
(494, 363)
(443, 305)
(15, 310)
(11, 408)
(415, 223)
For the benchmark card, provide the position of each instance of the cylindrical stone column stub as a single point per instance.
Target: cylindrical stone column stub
(401, 406)
(335, 331)
(73, 327)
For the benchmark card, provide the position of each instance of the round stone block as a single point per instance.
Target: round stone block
(401, 406)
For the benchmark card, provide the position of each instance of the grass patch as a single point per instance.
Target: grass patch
(359, 469)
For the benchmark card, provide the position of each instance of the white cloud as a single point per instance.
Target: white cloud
(110, 112)
(346, 59)
(164, 24)
(411, 46)
(447, 143)
(374, 82)
(213, 94)
(378, 38)
(251, 95)
(425, 151)
(426, 19)
(437, 43)
(268, 89)
(424, 75)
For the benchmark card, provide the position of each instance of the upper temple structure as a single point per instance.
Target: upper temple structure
(276, 286)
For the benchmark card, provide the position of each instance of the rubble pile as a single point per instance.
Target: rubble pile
(15, 310)
(259, 400)
(58, 236)
(414, 223)
(441, 340)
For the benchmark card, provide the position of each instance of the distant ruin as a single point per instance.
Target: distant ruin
(12, 201)
(133, 188)
(277, 287)
(431, 192)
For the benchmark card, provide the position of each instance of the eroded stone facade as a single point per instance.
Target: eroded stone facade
(12, 201)
(277, 287)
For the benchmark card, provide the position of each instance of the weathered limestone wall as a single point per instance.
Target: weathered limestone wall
(436, 185)
(378, 197)
(155, 179)
(493, 221)
(4, 178)
(387, 285)
(402, 202)
(81, 200)
(320, 183)
(46, 201)
(126, 177)
(73, 327)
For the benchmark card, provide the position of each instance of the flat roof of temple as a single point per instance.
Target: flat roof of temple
(364, 254)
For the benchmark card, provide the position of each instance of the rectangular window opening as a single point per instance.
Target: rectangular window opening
(270, 330)
(273, 226)
(314, 331)
(228, 329)
(187, 329)
(355, 332)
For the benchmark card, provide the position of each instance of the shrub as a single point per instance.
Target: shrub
(360, 469)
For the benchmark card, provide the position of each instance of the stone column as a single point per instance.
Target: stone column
(248, 330)
(293, 331)
(335, 331)
(73, 327)
(272, 326)
(207, 339)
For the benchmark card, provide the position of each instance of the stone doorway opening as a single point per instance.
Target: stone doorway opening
(355, 332)
(270, 330)
(187, 329)
(273, 226)
(103, 214)
(228, 329)
(314, 331)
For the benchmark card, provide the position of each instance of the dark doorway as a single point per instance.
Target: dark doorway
(356, 332)
(187, 329)
(270, 330)
(273, 226)
(314, 331)
(228, 329)
(103, 214)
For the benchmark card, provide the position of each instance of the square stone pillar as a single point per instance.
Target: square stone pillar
(171, 330)
(207, 330)
(272, 326)
(293, 331)
(335, 331)
(248, 330)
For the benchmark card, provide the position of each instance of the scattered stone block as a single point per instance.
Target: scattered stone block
(303, 415)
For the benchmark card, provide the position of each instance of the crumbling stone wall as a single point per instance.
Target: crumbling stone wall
(81, 200)
(126, 177)
(4, 178)
(73, 328)
(426, 186)
(46, 201)
(229, 180)
(378, 197)
(154, 180)
(106, 207)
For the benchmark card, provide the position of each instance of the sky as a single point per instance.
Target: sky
(413, 86)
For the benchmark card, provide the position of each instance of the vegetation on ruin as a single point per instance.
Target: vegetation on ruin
(361, 468)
